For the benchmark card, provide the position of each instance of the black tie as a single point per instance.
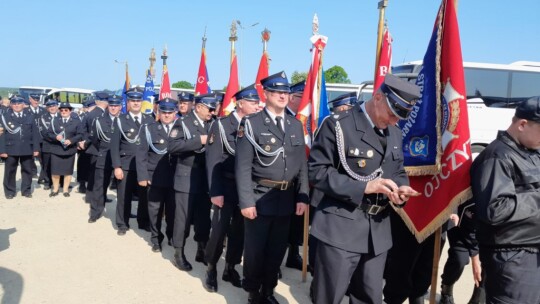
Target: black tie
(167, 129)
(137, 121)
(381, 136)
(279, 125)
(64, 120)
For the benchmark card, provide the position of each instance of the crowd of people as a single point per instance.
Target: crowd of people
(250, 167)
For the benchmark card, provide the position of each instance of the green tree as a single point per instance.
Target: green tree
(336, 74)
(182, 85)
(298, 76)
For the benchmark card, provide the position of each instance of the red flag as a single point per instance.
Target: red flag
(443, 192)
(312, 91)
(385, 59)
(261, 74)
(165, 89)
(229, 102)
(203, 83)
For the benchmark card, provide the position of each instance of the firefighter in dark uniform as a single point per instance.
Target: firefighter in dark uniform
(36, 110)
(101, 163)
(63, 134)
(271, 178)
(344, 102)
(19, 143)
(100, 110)
(357, 162)
(83, 158)
(187, 144)
(125, 142)
(156, 171)
(185, 103)
(463, 246)
(505, 180)
(44, 124)
(227, 219)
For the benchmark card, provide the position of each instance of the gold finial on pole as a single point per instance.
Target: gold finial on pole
(164, 56)
(233, 37)
(265, 35)
(152, 60)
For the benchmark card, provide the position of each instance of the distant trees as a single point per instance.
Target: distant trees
(335, 74)
(182, 85)
(298, 76)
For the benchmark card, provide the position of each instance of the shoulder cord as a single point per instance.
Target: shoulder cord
(100, 134)
(249, 135)
(188, 135)
(341, 152)
(131, 141)
(224, 141)
(11, 131)
(151, 145)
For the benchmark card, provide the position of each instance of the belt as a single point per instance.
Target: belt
(281, 185)
(371, 208)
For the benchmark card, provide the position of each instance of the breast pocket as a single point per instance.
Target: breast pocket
(269, 143)
(296, 140)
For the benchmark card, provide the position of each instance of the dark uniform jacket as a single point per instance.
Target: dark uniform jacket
(338, 221)
(220, 153)
(71, 130)
(88, 122)
(100, 137)
(153, 161)
(23, 142)
(44, 124)
(291, 166)
(505, 180)
(122, 150)
(188, 153)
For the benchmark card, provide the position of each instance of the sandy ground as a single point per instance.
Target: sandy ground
(50, 254)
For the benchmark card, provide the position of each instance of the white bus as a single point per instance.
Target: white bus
(493, 92)
(74, 96)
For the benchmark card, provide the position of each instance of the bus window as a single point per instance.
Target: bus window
(524, 85)
(490, 85)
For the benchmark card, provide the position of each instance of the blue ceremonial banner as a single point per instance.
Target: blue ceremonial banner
(148, 94)
(323, 101)
(420, 131)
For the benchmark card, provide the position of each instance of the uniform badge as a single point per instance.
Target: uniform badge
(354, 152)
(240, 132)
(273, 140)
(369, 153)
(61, 127)
(159, 127)
(174, 133)
(161, 141)
(362, 163)
(267, 148)
(128, 134)
(211, 140)
(131, 130)
(196, 123)
(138, 142)
(266, 120)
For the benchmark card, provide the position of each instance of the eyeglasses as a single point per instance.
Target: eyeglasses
(64, 110)
(280, 93)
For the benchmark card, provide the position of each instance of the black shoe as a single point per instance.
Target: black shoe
(53, 194)
(92, 220)
(231, 275)
(132, 216)
(268, 297)
(200, 256)
(29, 195)
(210, 280)
(46, 187)
(82, 188)
(121, 231)
(66, 194)
(156, 248)
(279, 274)
(10, 196)
(108, 200)
(41, 181)
(254, 297)
(294, 261)
(181, 261)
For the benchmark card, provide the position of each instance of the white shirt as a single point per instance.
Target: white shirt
(139, 117)
(273, 116)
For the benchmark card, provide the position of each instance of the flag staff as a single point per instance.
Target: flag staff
(164, 56)
(233, 38)
(381, 7)
(152, 60)
(265, 35)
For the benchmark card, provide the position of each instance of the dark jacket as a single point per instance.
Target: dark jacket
(505, 180)
(101, 135)
(153, 162)
(126, 141)
(71, 130)
(18, 136)
(88, 122)
(338, 220)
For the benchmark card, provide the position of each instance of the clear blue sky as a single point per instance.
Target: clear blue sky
(74, 43)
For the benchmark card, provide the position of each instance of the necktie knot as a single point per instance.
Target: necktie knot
(279, 125)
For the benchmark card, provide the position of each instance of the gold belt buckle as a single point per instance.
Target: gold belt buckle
(374, 209)
(284, 186)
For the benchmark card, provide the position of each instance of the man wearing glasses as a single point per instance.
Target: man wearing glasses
(187, 144)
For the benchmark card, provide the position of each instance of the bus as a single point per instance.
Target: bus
(363, 90)
(74, 96)
(493, 92)
(25, 91)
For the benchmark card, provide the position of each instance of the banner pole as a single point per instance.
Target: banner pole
(382, 5)
(305, 247)
(435, 267)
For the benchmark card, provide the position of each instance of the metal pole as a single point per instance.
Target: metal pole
(382, 6)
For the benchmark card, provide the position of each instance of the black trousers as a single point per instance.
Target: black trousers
(511, 276)
(458, 258)
(226, 221)
(96, 194)
(126, 187)
(409, 265)
(191, 207)
(265, 243)
(46, 168)
(337, 269)
(160, 199)
(83, 166)
(10, 171)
